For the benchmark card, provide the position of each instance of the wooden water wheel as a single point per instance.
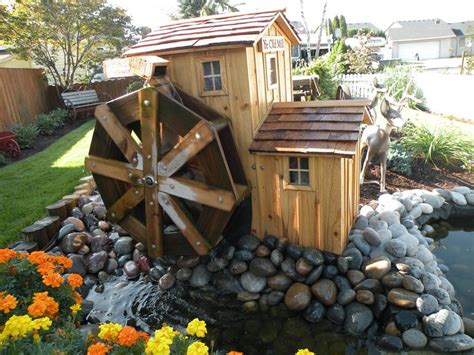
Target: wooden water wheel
(168, 171)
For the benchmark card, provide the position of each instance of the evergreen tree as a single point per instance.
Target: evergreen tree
(336, 23)
(343, 24)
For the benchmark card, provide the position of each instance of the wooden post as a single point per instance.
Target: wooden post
(150, 136)
(36, 233)
(59, 209)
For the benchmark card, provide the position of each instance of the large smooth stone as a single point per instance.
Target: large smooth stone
(354, 257)
(325, 291)
(362, 245)
(433, 199)
(377, 268)
(442, 323)
(237, 267)
(411, 242)
(78, 265)
(468, 326)
(73, 242)
(411, 283)
(470, 199)
(336, 314)
(298, 297)
(66, 229)
(441, 295)
(345, 297)
(330, 272)
(313, 256)
(414, 339)
(124, 245)
(294, 251)
(396, 247)
(248, 242)
(303, 267)
(96, 262)
(184, 274)
(379, 305)
(390, 342)
(427, 304)
(410, 266)
(430, 281)
(99, 243)
(262, 267)
(452, 344)
(270, 241)
(355, 277)
(217, 264)
(277, 257)
(458, 199)
(365, 297)
(389, 216)
(372, 285)
(405, 320)
(315, 312)
(393, 279)
(398, 230)
(131, 269)
(279, 282)
(187, 262)
(358, 318)
(314, 275)
(342, 265)
(77, 223)
(167, 281)
(244, 255)
(252, 283)
(342, 283)
(262, 251)
(402, 298)
(200, 277)
(371, 236)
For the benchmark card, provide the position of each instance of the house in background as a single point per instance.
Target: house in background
(464, 32)
(10, 60)
(421, 39)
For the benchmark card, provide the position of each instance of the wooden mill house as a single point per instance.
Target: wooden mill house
(301, 158)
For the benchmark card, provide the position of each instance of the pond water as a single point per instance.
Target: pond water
(455, 247)
(143, 304)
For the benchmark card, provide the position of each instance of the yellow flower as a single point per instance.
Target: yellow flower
(36, 338)
(41, 323)
(18, 326)
(166, 332)
(158, 346)
(75, 308)
(109, 331)
(197, 327)
(197, 348)
(304, 352)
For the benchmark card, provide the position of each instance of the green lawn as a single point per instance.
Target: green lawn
(28, 186)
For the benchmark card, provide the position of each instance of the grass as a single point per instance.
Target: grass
(28, 186)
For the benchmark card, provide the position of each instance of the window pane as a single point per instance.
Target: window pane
(208, 84)
(216, 65)
(293, 177)
(206, 66)
(304, 163)
(273, 73)
(217, 83)
(304, 176)
(293, 163)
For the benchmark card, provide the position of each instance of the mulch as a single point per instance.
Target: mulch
(425, 176)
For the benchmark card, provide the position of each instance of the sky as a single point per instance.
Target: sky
(381, 13)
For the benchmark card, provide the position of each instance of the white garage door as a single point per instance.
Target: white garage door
(425, 50)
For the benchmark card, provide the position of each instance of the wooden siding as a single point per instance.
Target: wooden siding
(320, 217)
(23, 95)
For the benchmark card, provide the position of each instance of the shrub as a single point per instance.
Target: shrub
(325, 71)
(441, 147)
(400, 81)
(399, 159)
(135, 85)
(25, 134)
(47, 123)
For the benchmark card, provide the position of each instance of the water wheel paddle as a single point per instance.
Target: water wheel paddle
(168, 172)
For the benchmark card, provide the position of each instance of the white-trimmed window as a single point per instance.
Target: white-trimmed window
(298, 171)
(272, 71)
(212, 81)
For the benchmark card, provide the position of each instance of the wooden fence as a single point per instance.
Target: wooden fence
(23, 95)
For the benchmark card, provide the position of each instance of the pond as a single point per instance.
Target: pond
(142, 303)
(455, 247)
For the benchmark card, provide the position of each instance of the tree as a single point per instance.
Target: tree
(64, 36)
(343, 24)
(197, 8)
(336, 22)
(360, 60)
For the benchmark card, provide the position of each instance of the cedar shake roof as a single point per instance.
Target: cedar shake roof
(315, 127)
(235, 28)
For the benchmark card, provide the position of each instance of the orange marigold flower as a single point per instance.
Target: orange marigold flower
(45, 268)
(98, 349)
(43, 305)
(128, 336)
(38, 257)
(77, 297)
(64, 261)
(235, 353)
(7, 303)
(143, 335)
(6, 255)
(53, 280)
(74, 280)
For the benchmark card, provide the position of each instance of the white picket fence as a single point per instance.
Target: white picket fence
(359, 84)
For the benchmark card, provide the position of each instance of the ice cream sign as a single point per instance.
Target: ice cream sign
(273, 44)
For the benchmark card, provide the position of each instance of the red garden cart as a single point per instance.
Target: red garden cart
(9, 144)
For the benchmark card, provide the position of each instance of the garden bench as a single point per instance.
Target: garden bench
(82, 101)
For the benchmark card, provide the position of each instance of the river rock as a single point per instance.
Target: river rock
(345, 297)
(441, 295)
(342, 264)
(277, 257)
(396, 247)
(354, 257)
(423, 254)
(313, 256)
(458, 198)
(365, 297)
(124, 245)
(371, 236)
(463, 190)
(217, 264)
(250, 307)
(430, 281)
(390, 217)
(111, 265)
(355, 277)
(261, 251)
(248, 242)
(427, 304)
(131, 269)
(303, 267)
(410, 266)
(411, 283)
(361, 223)
(398, 230)
(391, 329)
(470, 199)
(416, 212)
(244, 255)
(167, 281)
(358, 318)
(390, 342)
(96, 262)
(294, 251)
(447, 286)
(468, 326)
(282, 244)
(298, 297)
(336, 314)
(325, 291)
(99, 243)
(362, 245)
(433, 199)
(393, 279)
(252, 282)
(100, 212)
(414, 339)
(330, 272)
(262, 267)
(237, 267)
(73, 242)
(78, 265)
(200, 277)
(377, 268)
(441, 323)
(184, 274)
(373, 285)
(66, 229)
(379, 305)
(314, 275)
(454, 343)
(405, 320)
(402, 298)
(342, 283)
(188, 262)
(315, 312)
(77, 223)
(270, 241)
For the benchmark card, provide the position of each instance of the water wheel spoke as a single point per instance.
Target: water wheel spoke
(198, 192)
(113, 168)
(136, 228)
(120, 135)
(176, 212)
(125, 203)
(191, 144)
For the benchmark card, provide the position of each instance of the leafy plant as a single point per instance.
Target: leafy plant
(25, 134)
(47, 123)
(400, 82)
(324, 70)
(135, 85)
(399, 159)
(443, 146)
(359, 59)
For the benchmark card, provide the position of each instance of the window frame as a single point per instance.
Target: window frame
(287, 185)
(268, 71)
(200, 70)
